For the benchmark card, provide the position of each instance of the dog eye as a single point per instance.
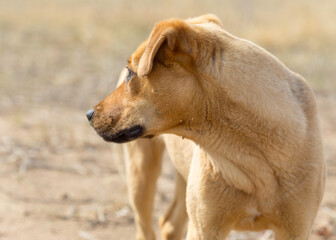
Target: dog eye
(129, 75)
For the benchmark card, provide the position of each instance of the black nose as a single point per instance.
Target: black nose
(89, 114)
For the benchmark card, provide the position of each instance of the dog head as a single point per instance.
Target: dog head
(160, 90)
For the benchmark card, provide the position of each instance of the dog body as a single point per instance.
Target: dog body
(258, 163)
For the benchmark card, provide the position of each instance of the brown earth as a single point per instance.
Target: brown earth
(59, 180)
(58, 58)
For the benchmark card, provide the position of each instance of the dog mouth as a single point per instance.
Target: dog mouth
(125, 135)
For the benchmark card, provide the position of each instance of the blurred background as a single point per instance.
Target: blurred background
(59, 58)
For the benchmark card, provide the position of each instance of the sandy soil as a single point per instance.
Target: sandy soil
(59, 180)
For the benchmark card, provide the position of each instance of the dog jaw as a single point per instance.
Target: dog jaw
(125, 135)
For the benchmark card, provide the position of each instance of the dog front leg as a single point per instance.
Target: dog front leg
(143, 164)
(191, 233)
(296, 223)
(284, 234)
(212, 206)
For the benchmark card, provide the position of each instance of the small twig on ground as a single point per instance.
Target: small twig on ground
(86, 235)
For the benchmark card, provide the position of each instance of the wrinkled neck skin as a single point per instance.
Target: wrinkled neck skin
(220, 130)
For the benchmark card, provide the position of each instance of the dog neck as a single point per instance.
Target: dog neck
(226, 141)
(239, 141)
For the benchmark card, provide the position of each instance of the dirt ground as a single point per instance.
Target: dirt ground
(58, 58)
(59, 180)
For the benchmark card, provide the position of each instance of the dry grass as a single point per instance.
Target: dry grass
(69, 51)
(60, 57)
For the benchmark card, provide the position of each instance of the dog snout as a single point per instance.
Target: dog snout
(89, 114)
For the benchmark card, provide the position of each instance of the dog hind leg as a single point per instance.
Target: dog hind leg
(143, 164)
(173, 222)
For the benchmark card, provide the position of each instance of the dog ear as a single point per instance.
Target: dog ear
(168, 31)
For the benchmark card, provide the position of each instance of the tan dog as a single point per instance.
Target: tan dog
(259, 163)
